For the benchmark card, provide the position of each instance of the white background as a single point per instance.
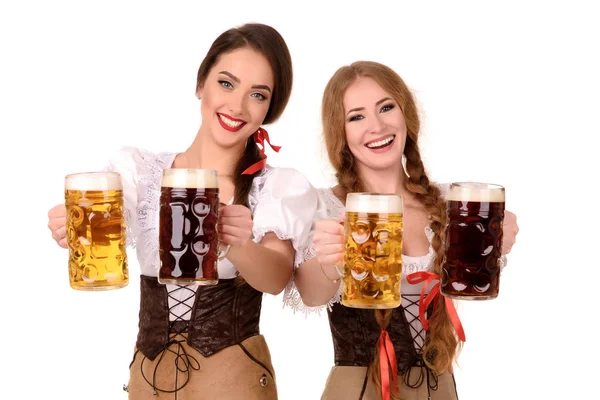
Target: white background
(509, 94)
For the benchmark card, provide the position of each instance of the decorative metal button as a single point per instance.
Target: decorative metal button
(263, 380)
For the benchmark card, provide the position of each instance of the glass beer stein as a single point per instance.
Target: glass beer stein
(372, 251)
(188, 236)
(95, 227)
(471, 266)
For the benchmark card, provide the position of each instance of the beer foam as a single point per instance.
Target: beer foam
(475, 191)
(374, 203)
(190, 178)
(93, 181)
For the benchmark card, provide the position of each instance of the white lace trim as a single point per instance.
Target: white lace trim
(299, 251)
(150, 172)
(291, 296)
(130, 222)
(257, 184)
(130, 232)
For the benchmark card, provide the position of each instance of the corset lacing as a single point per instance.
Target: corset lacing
(177, 328)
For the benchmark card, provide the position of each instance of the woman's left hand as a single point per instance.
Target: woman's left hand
(509, 231)
(235, 225)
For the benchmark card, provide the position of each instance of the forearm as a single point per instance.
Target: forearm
(314, 287)
(265, 269)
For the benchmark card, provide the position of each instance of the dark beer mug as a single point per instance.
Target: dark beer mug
(188, 236)
(471, 265)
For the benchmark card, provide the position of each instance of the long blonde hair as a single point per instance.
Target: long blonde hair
(441, 343)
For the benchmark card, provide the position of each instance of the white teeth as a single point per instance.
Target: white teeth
(230, 123)
(380, 142)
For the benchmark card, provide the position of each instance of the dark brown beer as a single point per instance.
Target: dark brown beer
(188, 238)
(471, 269)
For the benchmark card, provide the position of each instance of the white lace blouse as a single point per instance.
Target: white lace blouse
(282, 201)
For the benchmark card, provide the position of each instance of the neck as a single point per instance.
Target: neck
(389, 180)
(203, 153)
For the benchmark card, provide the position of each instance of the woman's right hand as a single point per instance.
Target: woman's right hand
(57, 221)
(329, 242)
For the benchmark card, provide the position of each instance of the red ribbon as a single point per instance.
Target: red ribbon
(434, 294)
(259, 138)
(387, 356)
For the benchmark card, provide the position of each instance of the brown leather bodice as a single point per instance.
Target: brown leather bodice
(355, 333)
(223, 315)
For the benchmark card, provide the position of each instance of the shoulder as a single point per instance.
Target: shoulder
(272, 174)
(282, 180)
(274, 185)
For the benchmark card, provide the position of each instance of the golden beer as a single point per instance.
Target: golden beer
(373, 251)
(96, 231)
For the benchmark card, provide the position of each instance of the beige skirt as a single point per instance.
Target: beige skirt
(227, 375)
(346, 383)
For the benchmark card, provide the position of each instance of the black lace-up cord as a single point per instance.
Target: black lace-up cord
(250, 356)
(421, 332)
(420, 363)
(235, 333)
(364, 385)
(183, 361)
(189, 362)
(423, 369)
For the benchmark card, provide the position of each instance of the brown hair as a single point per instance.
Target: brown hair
(441, 343)
(267, 41)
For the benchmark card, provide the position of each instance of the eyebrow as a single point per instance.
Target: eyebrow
(237, 80)
(376, 104)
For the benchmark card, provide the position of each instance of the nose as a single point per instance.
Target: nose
(237, 104)
(376, 125)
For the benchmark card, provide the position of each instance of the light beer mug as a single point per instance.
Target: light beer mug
(372, 251)
(471, 266)
(95, 226)
(188, 236)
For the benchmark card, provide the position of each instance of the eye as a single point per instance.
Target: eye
(387, 108)
(259, 96)
(226, 84)
(356, 117)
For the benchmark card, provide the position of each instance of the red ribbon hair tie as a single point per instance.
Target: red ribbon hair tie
(260, 136)
(387, 356)
(434, 294)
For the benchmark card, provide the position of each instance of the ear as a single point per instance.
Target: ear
(200, 92)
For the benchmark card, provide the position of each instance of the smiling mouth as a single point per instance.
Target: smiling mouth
(229, 123)
(380, 144)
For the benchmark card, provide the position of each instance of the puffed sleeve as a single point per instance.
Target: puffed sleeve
(286, 206)
(126, 162)
(291, 295)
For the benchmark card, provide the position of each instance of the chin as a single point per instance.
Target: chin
(384, 163)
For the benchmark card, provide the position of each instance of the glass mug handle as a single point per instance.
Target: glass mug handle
(223, 253)
(339, 267)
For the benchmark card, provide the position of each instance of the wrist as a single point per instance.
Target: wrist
(332, 273)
